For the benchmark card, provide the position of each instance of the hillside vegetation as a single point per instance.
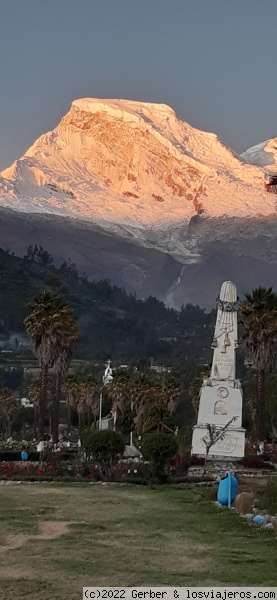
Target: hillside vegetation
(112, 323)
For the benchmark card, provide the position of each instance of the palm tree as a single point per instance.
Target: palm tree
(259, 318)
(92, 398)
(8, 408)
(71, 390)
(150, 395)
(171, 395)
(155, 395)
(121, 392)
(141, 394)
(251, 404)
(68, 333)
(44, 324)
(33, 395)
(81, 405)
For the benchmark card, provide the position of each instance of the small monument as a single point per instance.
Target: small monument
(107, 379)
(108, 375)
(221, 394)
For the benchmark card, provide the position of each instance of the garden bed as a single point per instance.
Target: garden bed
(137, 473)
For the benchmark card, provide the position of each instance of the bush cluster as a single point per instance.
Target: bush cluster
(268, 496)
(180, 465)
(158, 448)
(255, 462)
(99, 459)
(15, 455)
(33, 456)
(46, 471)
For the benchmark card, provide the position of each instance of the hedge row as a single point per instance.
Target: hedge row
(255, 462)
(15, 456)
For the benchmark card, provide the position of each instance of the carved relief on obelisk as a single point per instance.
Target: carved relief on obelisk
(221, 394)
(225, 340)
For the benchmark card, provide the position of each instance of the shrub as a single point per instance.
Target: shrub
(44, 471)
(158, 448)
(197, 461)
(58, 456)
(104, 447)
(266, 457)
(268, 496)
(158, 414)
(132, 472)
(15, 455)
(181, 464)
(254, 462)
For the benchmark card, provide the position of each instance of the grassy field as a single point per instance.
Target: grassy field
(54, 539)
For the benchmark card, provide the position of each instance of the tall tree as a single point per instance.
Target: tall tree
(71, 390)
(159, 395)
(33, 395)
(120, 391)
(67, 337)
(91, 392)
(8, 409)
(81, 406)
(44, 324)
(259, 318)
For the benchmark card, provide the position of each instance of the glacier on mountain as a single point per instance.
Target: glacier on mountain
(133, 165)
(132, 171)
(263, 155)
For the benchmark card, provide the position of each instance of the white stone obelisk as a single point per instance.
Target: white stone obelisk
(221, 394)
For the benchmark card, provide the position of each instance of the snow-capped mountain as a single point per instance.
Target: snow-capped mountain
(135, 164)
(134, 171)
(263, 155)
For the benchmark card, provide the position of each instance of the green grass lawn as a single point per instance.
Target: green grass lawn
(55, 539)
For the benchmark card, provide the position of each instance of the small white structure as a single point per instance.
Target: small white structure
(108, 375)
(221, 393)
(106, 423)
(131, 452)
(26, 403)
(107, 378)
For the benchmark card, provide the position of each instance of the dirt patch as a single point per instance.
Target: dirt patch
(48, 530)
(51, 530)
(34, 491)
(15, 573)
(12, 542)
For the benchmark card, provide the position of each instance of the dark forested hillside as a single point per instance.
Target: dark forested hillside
(113, 323)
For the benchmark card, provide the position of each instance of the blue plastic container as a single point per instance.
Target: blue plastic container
(24, 455)
(227, 490)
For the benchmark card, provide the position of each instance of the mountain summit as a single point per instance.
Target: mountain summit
(135, 171)
(263, 155)
(132, 163)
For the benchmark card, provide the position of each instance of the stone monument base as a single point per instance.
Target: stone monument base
(231, 447)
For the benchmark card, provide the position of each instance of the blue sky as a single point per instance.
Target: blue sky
(213, 61)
